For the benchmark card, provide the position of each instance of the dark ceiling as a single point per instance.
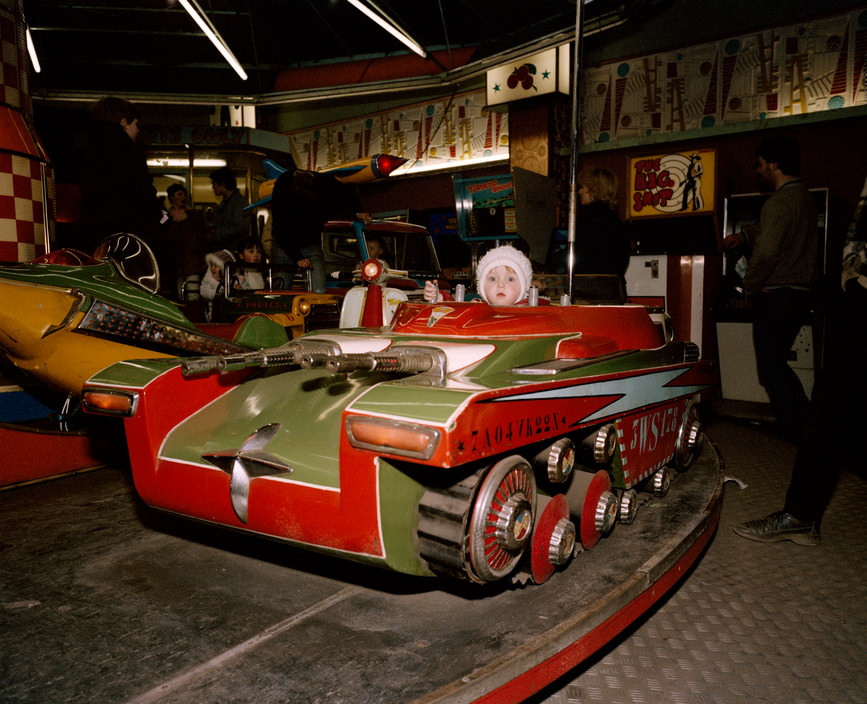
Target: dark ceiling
(102, 47)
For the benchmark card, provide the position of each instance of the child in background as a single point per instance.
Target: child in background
(250, 252)
(503, 278)
(213, 278)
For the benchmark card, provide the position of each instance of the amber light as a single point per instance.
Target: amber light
(112, 403)
(407, 439)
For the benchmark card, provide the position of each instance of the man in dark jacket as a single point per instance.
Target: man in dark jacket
(117, 191)
(782, 256)
(301, 203)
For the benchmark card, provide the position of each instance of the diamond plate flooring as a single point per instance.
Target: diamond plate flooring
(753, 622)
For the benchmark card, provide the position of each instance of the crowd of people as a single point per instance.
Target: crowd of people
(118, 195)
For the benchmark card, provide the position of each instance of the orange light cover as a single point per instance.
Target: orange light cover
(392, 437)
(106, 402)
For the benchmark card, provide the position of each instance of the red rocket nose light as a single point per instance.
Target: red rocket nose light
(371, 270)
(384, 164)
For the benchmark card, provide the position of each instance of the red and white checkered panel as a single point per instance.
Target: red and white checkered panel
(10, 88)
(22, 215)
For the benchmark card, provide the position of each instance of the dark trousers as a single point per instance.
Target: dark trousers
(778, 315)
(837, 422)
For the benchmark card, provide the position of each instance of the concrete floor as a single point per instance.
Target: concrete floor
(750, 623)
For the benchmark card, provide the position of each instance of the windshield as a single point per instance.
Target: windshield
(410, 249)
(133, 259)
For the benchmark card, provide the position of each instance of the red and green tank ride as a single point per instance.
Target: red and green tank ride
(457, 440)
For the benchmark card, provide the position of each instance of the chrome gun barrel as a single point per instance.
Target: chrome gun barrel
(402, 359)
(292, 353)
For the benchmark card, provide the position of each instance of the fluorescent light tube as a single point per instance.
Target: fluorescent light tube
(211, 33)
(31, 49)
(393, 30)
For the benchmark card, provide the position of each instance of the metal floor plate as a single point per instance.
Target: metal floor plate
(753, 622)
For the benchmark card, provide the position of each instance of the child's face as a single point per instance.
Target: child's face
(216, 272)
(374, 249)
(251, 255)
(502, 286)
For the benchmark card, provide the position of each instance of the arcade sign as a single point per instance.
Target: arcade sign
(674, 183)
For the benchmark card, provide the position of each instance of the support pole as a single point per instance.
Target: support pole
(573, 179)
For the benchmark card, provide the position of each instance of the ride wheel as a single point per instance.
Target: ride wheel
(553, 538)
(502, 518)
(660, 481)
(479, 527)
(605, 444)
(591, 493)
(628, 506)
(689, 437)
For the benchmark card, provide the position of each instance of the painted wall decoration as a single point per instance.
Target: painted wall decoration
(674, 183)
(433, 134)
(805, 68)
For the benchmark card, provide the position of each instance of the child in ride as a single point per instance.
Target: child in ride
(213, 278)
(250, 252)
(503, 278)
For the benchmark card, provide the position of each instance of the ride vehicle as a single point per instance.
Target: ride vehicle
(67, 314)
(403, 247)
(461, 440)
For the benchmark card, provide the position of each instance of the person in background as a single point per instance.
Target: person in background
(841, 385)
(117, 190)
(376, 248)
(782, 269)
(213, 279)
(232, 222)
(183, 244)
(601, 242)
(301, 203)
(503, 278)
(250, 252)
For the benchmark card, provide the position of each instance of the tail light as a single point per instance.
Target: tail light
(392, 437)
(109, 402)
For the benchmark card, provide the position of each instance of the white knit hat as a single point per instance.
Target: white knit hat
(220, 259)
(505, 255)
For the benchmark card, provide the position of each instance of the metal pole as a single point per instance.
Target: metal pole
(573, 179)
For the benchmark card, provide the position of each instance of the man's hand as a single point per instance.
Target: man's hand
(304, 263)
(733, 241)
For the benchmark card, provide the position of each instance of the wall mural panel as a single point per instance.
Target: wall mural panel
(433, 134)
(804, 68)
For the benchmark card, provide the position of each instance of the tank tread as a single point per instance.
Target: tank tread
(442, 527)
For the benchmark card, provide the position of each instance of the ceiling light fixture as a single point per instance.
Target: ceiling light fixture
(31, 49)
(199, 17)
(390, 27)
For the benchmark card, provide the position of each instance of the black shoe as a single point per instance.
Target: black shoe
(780, 526)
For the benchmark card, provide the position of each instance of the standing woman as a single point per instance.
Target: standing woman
(117, 190)
(601, 244)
